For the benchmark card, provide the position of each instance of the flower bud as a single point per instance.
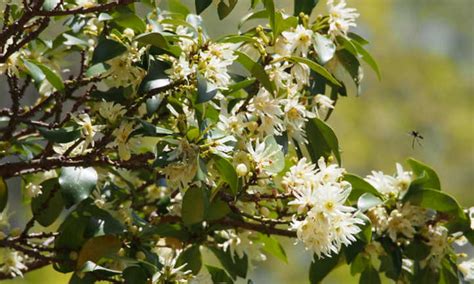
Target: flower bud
(241, 170)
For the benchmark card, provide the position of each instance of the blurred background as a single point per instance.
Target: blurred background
(425, 50)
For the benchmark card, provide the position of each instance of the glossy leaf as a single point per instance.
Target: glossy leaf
(3, 194)
(47, 206)
(191, 257)
(107, 49)
(316, 68)
(419, 168)
(272, 246)
(321, 267)
(60, 135)
(322, 140)
(359, 187)
(370, 276)
(305, 6)
(206, 92)
(224, 9)
(153, 38)
(97, 248)
(256, 70)
(218, 275)
(202, 5)
(367, 201)
(76, 184)
(195, 204)
(235, 266)
(227, 173)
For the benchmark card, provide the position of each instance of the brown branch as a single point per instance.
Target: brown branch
(30, 267)
(82, 10)
(8, 170)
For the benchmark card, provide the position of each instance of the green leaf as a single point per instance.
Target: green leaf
(305, 6)
(273, 247)
(235, 266)
(270, 7)
(321, 267)
(107, 49)
(367, 58)
(370, 276)
(256, 70)
(218, 209)
(72, 40)
(433, 199)
(365, 234)
(316, 68)
(177, 7)
(134, 275)
(276, 155)
(416, 250)
(35, 72)
(49, 5)
(202, 5)
(284, 23)
(227, 173)
(195, 204)
(218, 275)
(47, 206)
(60, 135)
(419, 168)
(223, 10)
(153, 38)
(251, 16)
(97, 248)
(205, 91)
(238, 86)
(359, 187)
(3, 194)
(351, 64)
(128, 19)
(76, 184)
(97, 69)
(192, 258)
(153, 130)
(322, 140)
(325, 48)
(367, 201)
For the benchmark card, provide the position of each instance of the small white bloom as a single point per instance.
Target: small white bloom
(122, 139)
(111, 111)
(33, 190)
(467, 269)
(300, 40)
(13, 263)
(322, 103)
(341, 18)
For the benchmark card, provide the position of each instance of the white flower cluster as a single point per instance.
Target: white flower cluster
(13, 263)
(320, 194)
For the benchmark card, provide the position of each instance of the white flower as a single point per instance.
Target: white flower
(268, 109)
(437, 237)
(242, 243)
(111, 111)
(180, 68)
(88, 129)
(169, 272)
(322, 103)
(214, 61)
(300, 176)
(300, 73)
(123, 70)
(379, 217)
(328, 173)
(13, 263)
(276, 73)
(341, 18)
(232, 124)
(262, 155)
(403, 220)
(122, 139)
(467, 269)
(402, 178)
(383, 183)
(33, 190)
(300, 40)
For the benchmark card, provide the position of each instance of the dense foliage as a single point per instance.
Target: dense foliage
(150, 149)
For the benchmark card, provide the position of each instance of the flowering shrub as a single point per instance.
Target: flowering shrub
(152, 146)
